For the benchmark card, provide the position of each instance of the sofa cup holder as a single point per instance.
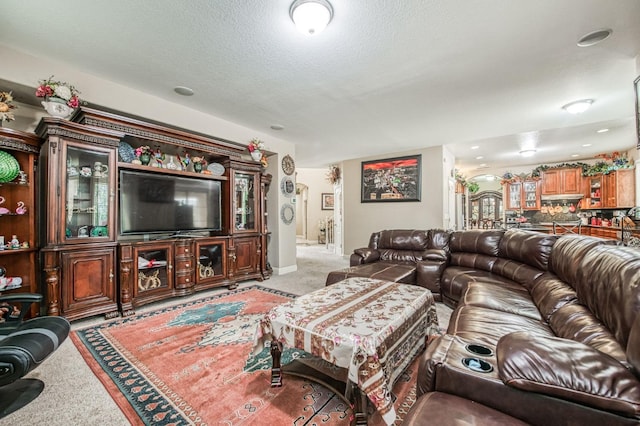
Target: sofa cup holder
(478, 365)
(479, 350)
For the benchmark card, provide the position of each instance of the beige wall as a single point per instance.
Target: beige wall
(27, 70)
(361, 219)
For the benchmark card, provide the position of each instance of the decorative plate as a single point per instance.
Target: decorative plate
(126, 152)
(288, 165)
(9, 167)
(216, 169)
(287, 213)
(287, 186)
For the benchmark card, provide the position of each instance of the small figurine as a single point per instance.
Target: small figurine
(3, 210)
(15, 243)
(21, 209)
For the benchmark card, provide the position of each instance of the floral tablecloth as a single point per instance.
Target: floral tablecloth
(370, 327)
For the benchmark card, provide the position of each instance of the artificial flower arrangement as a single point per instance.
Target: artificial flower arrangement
(144, 149)
(255, 145)
(6, 107)
(51, 88)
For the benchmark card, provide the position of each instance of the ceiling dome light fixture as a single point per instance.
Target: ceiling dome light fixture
(578, 107)
(528, 152)
(183, 90)
(594, 37)
(311, 16)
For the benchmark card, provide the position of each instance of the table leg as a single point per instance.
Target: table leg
(360, 407)
(276, 370)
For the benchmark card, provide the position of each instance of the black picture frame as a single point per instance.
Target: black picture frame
(391, 179)
(636, 86)
(327, 201)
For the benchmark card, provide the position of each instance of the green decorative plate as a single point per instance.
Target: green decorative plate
(9, 167)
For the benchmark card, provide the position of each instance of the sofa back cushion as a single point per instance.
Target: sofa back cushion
(608, 284)
(549, 293)
(401, 245)
(529, 247)
(566, 254)
(476, 241)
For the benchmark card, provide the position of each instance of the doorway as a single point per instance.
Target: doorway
(301, 199)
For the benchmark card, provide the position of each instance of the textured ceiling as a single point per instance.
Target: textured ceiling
(385, 76)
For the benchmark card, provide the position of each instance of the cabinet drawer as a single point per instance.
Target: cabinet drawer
(181, 280)
(184, 265)
(183, 250)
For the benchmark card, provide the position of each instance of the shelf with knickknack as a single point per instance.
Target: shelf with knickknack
(18, 239)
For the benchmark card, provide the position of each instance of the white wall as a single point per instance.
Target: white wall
(362, 219)
(27, 70)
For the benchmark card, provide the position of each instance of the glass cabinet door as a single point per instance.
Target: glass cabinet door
(87, 188)
(244, 202)
(515, 196)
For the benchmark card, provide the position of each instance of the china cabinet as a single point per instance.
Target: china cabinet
(77, 207)
(514, 196)
(562, 181)
(18, 213)
(245, 245)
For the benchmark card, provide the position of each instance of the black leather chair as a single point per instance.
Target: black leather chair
(24, 345)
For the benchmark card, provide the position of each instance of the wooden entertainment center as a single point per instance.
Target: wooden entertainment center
(89, 266)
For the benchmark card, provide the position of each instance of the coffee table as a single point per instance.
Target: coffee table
(368, 329)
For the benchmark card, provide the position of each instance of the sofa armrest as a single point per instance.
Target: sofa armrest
(429, 271)
(364, 255)
(567, 369)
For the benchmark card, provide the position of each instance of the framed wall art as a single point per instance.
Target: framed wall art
(391, 180)
(327, 201)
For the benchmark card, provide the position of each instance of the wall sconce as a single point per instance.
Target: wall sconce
(311, 16)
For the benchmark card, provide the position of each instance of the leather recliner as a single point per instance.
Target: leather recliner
(24, 345)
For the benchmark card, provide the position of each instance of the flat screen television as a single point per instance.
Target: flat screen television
(155, 203)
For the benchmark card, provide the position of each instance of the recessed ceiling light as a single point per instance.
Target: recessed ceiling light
(184, 91)
(277, 126)
(479, 157)
(594, 37)
(528, 152)
(586, 144)
(603, 130)
(578, 107)
(483, 165)
(475, 147)
(575, 155)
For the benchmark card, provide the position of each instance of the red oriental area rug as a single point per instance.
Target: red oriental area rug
(191, 364)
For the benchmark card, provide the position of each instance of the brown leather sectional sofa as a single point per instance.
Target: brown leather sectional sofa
(545, 328)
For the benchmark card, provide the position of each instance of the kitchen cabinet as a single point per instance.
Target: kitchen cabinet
(523, 195)
(619, 189)
(562, 181)
(18, 214)
(77, 205)
(613, 190)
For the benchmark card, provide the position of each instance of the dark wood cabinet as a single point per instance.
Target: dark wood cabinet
(86, 225)
(562, 181)
(89, 284)
(245, 254)
(147, 273)
(211, 267)
(77, 210)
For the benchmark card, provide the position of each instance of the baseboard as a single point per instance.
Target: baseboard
(285, 270)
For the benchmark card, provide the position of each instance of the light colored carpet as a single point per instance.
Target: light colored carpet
(73, 395)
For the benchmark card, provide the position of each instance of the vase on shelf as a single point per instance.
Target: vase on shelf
(256, 155)
(145, 159)
(197, 167)
(57, 107)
